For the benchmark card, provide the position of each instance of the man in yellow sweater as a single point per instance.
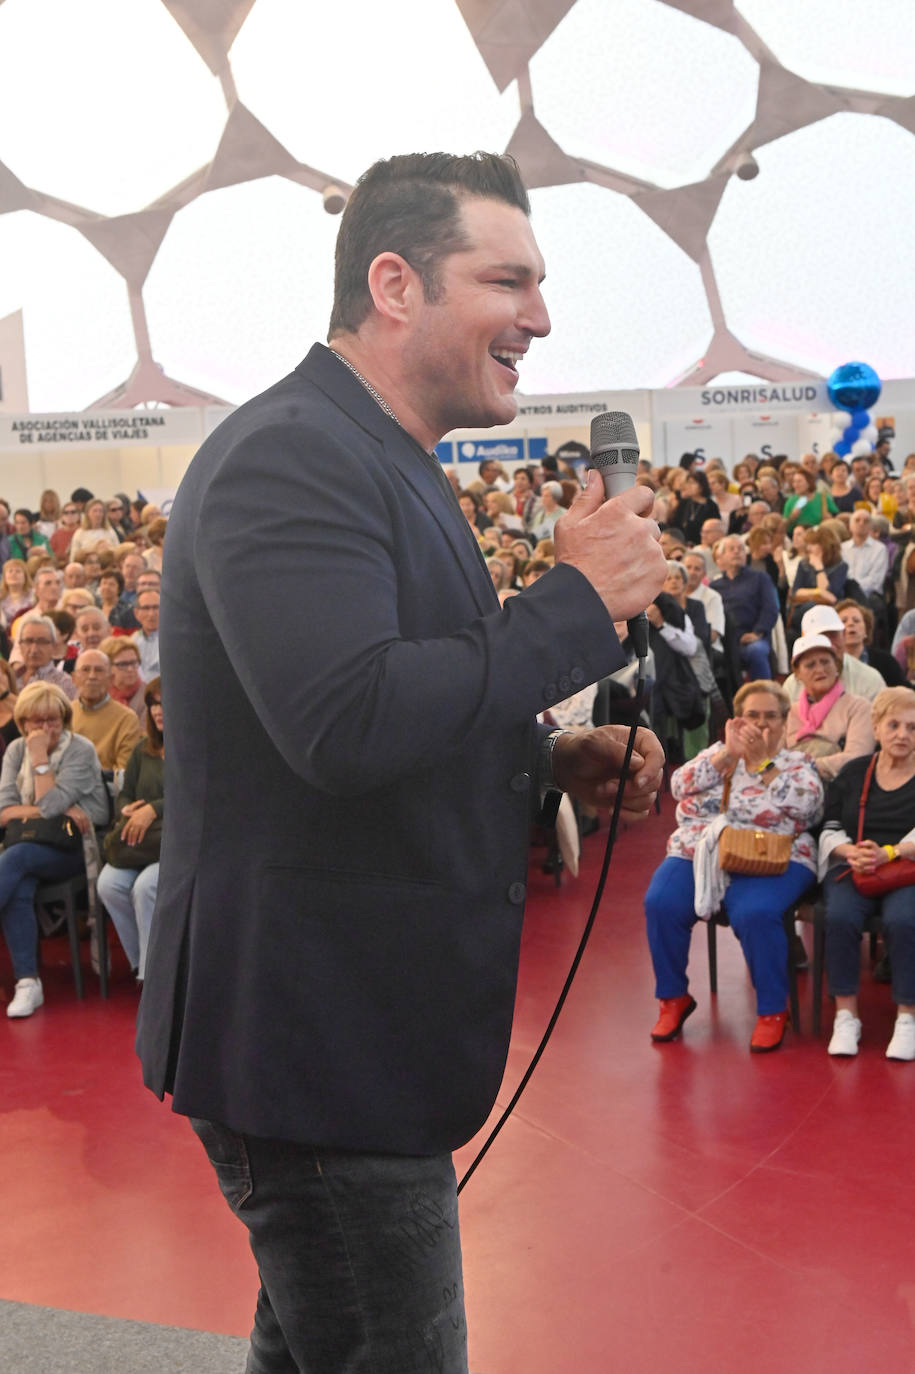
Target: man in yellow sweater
(112, 728)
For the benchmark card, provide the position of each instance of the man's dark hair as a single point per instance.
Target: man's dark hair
(23, 510)
(411, 205)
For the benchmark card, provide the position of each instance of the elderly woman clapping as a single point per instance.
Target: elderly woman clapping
(751, 782)
(860, 844)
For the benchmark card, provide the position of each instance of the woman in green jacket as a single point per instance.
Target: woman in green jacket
(806, 506)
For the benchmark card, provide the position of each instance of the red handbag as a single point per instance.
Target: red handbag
(886, 878)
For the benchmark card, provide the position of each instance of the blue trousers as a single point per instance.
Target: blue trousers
(22, 868)
(359, 1256)
(755, 907)
(846, 913)
(755, 658)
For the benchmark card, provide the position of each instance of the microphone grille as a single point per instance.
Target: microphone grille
(613, 427)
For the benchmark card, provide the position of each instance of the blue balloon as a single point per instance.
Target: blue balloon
(861, 419)
(851, 433)
(854, 386)
(842, 448)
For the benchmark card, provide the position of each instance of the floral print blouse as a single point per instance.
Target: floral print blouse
(789, 805)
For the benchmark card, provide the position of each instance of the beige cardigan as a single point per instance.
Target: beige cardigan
(845, 734)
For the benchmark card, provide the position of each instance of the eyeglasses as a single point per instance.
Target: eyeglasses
(34, 643)
(43, 722)
(69, 510)
(125, 664)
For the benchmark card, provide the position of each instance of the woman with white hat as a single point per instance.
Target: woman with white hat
(827, 722)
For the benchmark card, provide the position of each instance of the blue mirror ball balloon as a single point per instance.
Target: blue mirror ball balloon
(854, 386)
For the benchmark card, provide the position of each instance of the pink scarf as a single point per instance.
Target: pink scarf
(813, 713)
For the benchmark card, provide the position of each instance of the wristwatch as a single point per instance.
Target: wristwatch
(41, 768)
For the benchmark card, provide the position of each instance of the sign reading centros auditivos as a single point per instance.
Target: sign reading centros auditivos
(89, 428)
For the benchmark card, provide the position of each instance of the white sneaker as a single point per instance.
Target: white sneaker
(902, 1045)
(28, 997)
(846, 1032)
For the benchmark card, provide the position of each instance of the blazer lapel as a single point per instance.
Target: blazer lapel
(420, 470)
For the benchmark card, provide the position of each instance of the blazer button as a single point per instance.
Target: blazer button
(520, 782)
(565, 684)
(516, 893)
(578, 676)
(549, 692)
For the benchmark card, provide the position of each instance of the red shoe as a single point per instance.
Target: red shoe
(769, 1032)
(674, 1011)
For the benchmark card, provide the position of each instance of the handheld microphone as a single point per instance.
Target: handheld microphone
(615, 454)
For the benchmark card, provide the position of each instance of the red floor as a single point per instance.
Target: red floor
(684, 1205)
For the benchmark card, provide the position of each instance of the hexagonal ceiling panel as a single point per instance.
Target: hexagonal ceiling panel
(78, 337)
(391, 76)
(103, 103)
(253, 268)
(624, 301)
(644, 88)
(808, 267)
(189, 142)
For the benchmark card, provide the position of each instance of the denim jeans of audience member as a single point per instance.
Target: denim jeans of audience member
(359, 1256)
(756, 658)
(754, 906)
(22, 868)
(129, 896)
(847, 909)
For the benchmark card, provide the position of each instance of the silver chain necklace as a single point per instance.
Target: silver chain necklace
(375, 395)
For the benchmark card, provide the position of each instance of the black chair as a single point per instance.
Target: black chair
(67, 891)
(720, 918)
(817, 919)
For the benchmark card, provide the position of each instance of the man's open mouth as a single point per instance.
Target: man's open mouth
(507, 357)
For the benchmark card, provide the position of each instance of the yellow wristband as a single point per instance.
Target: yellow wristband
(889, 850)
(767, 763)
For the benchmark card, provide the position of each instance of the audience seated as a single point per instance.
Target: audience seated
(127, 686)
(36, 644)
(49, 773)
(820, 579)
(112, 728)
(855, 845)
(857, 676)
(128, 889)
(16, 595)
(750, 603)
(858, 623)
(826, 722)
(771, 788)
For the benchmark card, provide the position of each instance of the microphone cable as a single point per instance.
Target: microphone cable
(589, 924)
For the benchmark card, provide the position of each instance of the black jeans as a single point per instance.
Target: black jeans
(359, 1256)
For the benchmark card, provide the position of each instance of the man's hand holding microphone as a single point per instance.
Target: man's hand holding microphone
(609, 535)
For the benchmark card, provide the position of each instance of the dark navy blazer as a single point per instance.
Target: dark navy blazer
(350, 747)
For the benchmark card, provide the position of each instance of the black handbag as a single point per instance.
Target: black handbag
(60, 832)
(122, 855)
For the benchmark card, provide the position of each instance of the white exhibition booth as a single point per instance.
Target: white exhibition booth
(149, 450)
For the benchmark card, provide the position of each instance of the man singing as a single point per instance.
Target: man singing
(332, 965)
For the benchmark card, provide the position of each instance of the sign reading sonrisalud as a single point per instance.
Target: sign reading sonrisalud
(676, 402)
(115, 427)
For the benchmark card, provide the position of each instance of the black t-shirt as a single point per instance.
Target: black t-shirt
(888, 815)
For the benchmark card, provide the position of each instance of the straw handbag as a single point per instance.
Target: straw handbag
(755, 853)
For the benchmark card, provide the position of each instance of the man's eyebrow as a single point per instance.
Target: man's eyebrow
(518, 269)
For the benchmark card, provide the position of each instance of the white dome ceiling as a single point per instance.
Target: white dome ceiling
(162, 165)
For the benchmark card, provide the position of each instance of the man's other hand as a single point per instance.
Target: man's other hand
(588, 765)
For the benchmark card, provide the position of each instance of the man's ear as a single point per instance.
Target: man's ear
(394, 286)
